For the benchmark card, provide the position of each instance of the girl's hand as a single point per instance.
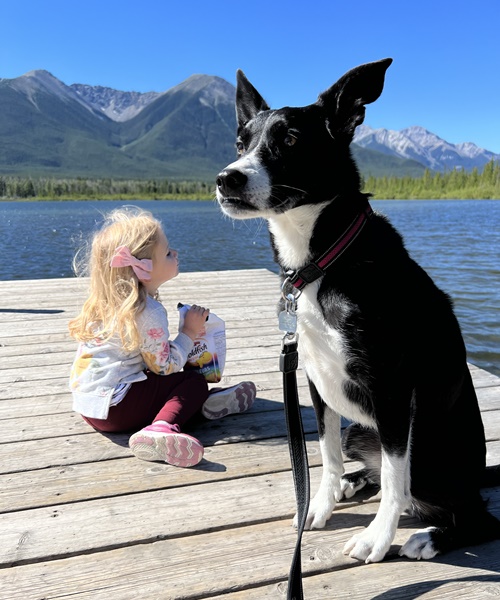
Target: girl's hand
(194, 321)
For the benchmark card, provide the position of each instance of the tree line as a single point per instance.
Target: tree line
(432, 185)
(80, 188)
(457, 184)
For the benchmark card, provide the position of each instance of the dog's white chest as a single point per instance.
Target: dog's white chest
(323, 355)
(322, 350)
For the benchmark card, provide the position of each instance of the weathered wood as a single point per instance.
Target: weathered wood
(117, 476)
(258, 553)
(65, 530)
(120, 473)
(82, 518)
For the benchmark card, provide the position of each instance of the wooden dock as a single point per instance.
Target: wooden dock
(82, 518)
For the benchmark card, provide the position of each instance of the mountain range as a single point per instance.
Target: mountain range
(416, 143)
(186, 132)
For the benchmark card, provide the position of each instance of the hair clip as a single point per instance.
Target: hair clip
(141, 267)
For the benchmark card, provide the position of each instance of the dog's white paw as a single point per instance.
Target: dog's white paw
(349, 488)
(316, 517)
(420, 545)
(369, 546)
(320, 509)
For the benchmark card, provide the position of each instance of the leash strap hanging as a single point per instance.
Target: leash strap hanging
(289, 359)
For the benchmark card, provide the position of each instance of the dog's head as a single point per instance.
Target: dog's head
(295, 156)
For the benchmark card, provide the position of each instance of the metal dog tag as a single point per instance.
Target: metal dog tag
(287, 321)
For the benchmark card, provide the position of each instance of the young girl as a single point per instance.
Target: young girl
(127, 374)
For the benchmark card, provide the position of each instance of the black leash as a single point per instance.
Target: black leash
(289, 360)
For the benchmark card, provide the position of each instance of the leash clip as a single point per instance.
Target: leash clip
(284, 295)
(287, 320)
(289, 358)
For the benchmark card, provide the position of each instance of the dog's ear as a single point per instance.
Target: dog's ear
(248, 100)
(345, 101)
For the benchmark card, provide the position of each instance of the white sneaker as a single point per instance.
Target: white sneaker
(228, 401)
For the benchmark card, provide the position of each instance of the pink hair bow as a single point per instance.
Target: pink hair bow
(141, 267)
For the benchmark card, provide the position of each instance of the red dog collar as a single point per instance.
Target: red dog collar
(314, 270)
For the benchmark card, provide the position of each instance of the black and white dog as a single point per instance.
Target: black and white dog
(378, 340)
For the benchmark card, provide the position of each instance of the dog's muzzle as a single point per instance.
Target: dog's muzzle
(231, 185)
(243, 188)
(230, 182)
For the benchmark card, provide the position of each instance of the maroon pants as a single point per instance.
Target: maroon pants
(172, 398)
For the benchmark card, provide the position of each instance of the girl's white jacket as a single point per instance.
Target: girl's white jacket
(102, 372)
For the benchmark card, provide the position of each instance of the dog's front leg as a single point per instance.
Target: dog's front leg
(329, 492)
(373, 543)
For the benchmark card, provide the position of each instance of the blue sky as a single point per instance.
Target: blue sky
(445, 75)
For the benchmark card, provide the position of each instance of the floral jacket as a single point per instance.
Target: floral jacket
(101, 367)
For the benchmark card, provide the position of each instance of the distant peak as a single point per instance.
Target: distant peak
(197, 82)
(418, 132)
(209, 89)
(40, 80)
(43, 79)
(39, 73)
(416, 129)
(37, 80)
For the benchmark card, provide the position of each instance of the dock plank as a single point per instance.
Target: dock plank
(81, 517)
(258, 552)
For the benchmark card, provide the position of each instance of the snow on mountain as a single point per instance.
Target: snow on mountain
(419, 144)
(117, 105)
(122, 106)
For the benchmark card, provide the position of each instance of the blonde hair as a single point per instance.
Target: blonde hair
(116, 296)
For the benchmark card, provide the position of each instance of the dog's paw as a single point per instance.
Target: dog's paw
(315, 519)
(320, 510)
(420, 545)
(349, 486)
(369, 546)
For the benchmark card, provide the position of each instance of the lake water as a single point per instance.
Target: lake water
(457, 242)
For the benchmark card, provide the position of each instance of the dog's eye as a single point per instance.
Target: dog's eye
(240, 147)
(290, 140)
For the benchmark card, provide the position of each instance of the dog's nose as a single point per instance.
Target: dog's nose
(230, 180)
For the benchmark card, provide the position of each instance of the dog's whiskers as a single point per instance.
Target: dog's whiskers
(281, 203)
(290, 187)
